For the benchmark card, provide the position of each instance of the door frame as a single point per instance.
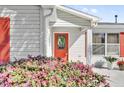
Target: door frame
(54, 42)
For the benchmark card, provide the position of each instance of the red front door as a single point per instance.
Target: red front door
(4, 40)
(61, 45)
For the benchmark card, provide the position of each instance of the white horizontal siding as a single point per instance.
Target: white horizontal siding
(66, 19)
(111, 30)
(19, 55)
(29, 15)
(34, 7)
(24, 29)
(24, 38)
(22, 54)
(20, 11)
(28, 45)
(16, 26)
(26, 34)
(25, 49)
(26, 22)
(21, 41)
(25, 18)
(17, 11)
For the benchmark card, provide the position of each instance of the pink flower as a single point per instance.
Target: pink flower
(10, 68)
(44, 82)
(27, 84)
(9, 80)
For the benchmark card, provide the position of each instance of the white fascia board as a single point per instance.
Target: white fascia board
(48, 6)
(110, 26)
(79, 14)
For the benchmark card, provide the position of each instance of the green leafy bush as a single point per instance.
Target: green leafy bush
(47, 72)
(110, 59)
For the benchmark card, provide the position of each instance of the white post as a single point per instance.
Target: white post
(47, 33)
(45, 27)
(48, 43)
(89, 46)
(47, 40)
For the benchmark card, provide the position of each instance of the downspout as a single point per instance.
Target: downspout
(41, 31)
(51, 12)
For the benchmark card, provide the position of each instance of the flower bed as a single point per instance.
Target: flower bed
(46, 72)
(121, 65)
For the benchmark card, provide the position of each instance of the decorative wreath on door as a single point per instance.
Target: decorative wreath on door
(61, 42)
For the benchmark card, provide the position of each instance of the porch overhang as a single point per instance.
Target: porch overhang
(91, 18)
(79, 13)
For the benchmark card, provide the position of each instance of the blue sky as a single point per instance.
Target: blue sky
(105, 12)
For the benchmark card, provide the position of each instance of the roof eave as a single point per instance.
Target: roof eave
(76, 13)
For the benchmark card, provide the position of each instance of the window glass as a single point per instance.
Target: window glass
(99, 49)
(110, 43)
(112, 49)
(112, 38)
(98, 37)
(61, 41)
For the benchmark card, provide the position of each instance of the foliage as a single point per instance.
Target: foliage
(110, 59)
(47, 72)
(120, 63)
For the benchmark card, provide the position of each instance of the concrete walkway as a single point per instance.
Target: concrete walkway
(116, 77)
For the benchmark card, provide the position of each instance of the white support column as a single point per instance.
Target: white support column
(48, 42)
(89, 46)
(45, 31)
(48, 14)
(47, 39)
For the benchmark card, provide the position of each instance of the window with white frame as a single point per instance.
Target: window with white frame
(113, 44)
(99, 43)
(105, 44)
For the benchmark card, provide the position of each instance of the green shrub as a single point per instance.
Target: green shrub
(43, 72)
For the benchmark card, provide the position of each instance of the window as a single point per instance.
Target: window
(98, 49)
(113, 44)
(98, 43)
(98, 38)
(112, 38)
(106, 44)
(112, 49)
(61, 42)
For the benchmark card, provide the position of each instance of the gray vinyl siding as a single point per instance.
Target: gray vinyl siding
(24, 29)
(66, 19)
